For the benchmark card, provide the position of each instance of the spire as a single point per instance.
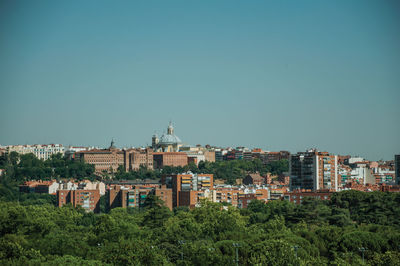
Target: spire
(170, 130)
(112, 144)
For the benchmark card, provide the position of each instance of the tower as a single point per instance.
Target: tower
(154, 141)
(170, 130)
(112, 146)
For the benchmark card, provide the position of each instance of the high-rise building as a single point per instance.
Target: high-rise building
(313, 170)
(182, 184)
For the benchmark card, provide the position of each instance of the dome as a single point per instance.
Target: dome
(168, 139)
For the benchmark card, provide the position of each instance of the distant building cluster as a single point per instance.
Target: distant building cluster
(185, 189)
(41, 151)
(85, 194)
(312, 173)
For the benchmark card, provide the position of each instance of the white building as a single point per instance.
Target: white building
(42, 152)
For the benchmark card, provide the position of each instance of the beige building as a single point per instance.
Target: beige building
(140, 157)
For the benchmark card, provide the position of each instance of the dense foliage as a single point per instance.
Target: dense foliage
(29, 167)
(225, 170)
(277, 233)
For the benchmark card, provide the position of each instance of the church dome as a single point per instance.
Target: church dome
(168, 139)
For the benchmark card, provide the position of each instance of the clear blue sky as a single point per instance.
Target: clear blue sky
(280, 75)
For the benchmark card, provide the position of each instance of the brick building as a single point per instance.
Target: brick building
(162, 159)
(140, 157)
(87, 199)
(136, 195)
(277, 156)
(47, 187)
(110, 159)
(227, 194)
(185, 183)
(297, 196)
(254, 179)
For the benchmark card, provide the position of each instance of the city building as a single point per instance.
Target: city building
(87, 199)
(47, 187)
(71, 150)
(108, 160)
(313, 170)
(52, 186)
(162, 159)
(41, 151)
(227, 194)
(220, 154)
(182, 184)
(164, 194)
(277, 156)
(198, 154)
(135, 195)
(104, 160)
(298, 196)
(247, 195)
(168, 142)
(254, 179)
(140, 158)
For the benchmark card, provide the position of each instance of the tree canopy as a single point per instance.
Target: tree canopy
(277, 233)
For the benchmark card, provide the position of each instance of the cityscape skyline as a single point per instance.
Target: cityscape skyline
(185, 144)
(276, 75)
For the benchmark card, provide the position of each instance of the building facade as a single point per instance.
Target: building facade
(182, 184)
(87, 199)
(41, 151)
(136, 195)
(298, 196)
(108, 160)
(313, 170)
(162, 159)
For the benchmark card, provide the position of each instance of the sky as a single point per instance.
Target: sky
(279, 75)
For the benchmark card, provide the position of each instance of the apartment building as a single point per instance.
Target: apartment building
(87, 199)
(135, 195)
(185, 183)
(41, 151)
(277, 156)
(298, 196)
(254, 179)
(313, 170)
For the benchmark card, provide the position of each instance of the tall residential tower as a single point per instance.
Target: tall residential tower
(313, 170)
